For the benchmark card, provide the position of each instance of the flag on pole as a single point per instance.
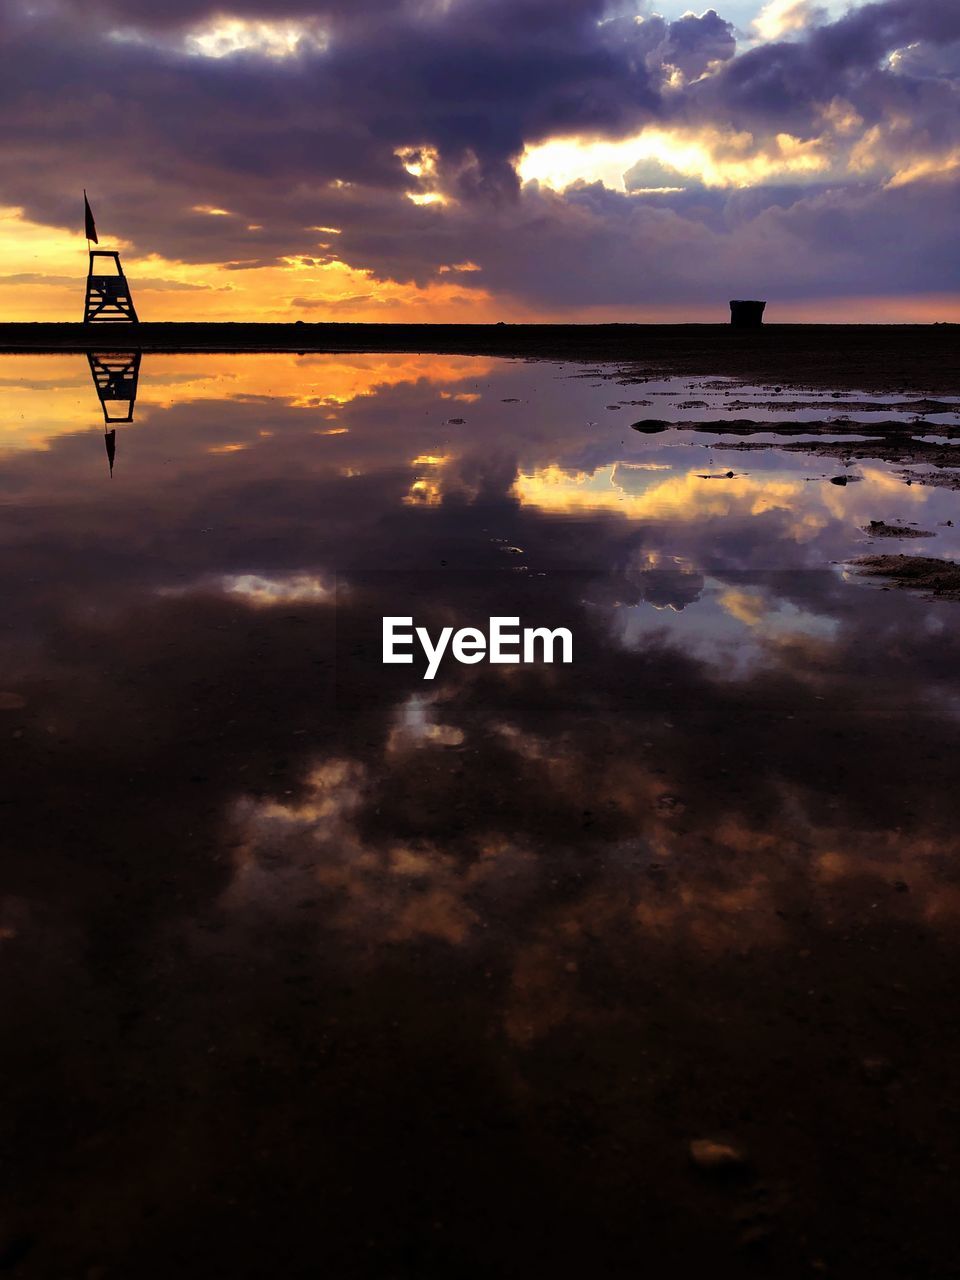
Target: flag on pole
(89, 225)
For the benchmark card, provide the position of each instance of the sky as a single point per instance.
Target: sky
(479, 160)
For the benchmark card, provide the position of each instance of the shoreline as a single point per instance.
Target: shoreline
(873, 358)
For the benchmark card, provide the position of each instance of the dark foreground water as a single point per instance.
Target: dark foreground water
(641, 966)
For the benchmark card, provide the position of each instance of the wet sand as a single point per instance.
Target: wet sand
(897, 447)
(919, 359)
(940, 578)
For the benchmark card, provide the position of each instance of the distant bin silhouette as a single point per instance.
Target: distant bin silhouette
(746, 315)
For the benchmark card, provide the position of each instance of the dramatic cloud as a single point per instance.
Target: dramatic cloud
(358, 152)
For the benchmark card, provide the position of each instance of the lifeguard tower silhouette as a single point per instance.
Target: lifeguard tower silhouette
(115, 377)
(108, 301)
(108, 298)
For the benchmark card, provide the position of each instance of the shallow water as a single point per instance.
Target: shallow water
(294, 942)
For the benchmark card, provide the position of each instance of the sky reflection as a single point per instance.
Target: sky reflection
(233, 840)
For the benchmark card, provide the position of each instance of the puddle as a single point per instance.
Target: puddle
(546, 925)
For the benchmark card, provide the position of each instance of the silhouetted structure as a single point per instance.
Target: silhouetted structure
(110, 440)
(115, 377)
(746, 314)
(108, 299)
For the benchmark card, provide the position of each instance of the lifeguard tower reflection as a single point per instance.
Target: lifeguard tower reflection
(116, 376)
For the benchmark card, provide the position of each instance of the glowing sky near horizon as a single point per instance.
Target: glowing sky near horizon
(481, 160)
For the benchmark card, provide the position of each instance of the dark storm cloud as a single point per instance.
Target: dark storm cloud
(146, 15)
(290, 144)
(923, 60)
(783, 85)
(475, 85)
(693, 43)
(689, 247)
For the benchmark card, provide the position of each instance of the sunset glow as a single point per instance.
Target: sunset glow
(767, 149)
